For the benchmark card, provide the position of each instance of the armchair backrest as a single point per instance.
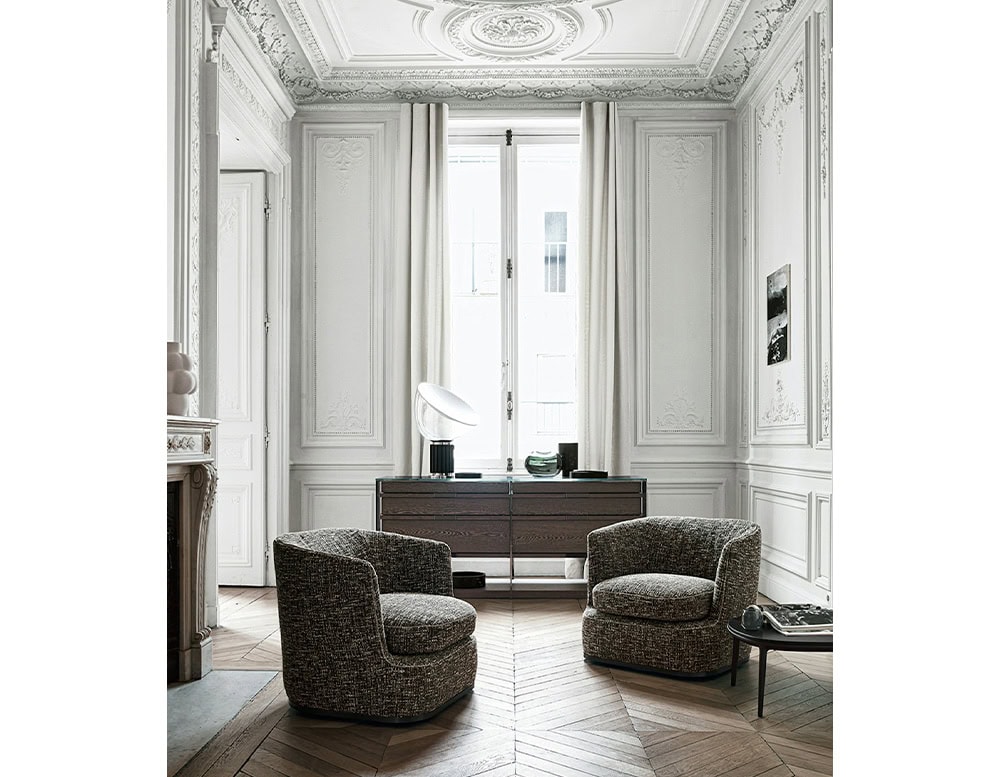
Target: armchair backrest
(673, 544)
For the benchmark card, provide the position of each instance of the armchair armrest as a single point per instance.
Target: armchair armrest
(738, 575)
(327, 605)
(624, 548)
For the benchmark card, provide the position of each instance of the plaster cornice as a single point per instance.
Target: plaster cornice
(733, 52)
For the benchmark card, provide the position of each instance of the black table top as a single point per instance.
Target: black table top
(768, 637)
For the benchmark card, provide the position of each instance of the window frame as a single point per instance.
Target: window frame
(509, 135)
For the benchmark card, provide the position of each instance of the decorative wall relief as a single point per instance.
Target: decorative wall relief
(341, 154)
(781, 410)
(826, 404)
(347, 416)
(824, 100)
(681, 415)
(684, 152)
(782, 97)
(251, 101)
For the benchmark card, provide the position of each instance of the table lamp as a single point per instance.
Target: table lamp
(441, 417)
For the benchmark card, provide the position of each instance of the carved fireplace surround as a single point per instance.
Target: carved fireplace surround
(191, 481)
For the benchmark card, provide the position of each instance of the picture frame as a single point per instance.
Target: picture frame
(778, 324)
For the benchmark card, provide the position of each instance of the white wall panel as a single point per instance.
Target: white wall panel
(236, 537)
(783, 517)
(338, 506)
(346, 218)
(680, 277)
(703, 498)
(822, 538)
(778, 238)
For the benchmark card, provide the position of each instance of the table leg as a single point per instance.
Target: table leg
(736, 658)
(760, 682)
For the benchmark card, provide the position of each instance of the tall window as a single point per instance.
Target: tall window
(513, 226)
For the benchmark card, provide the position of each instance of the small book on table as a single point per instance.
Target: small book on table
(799, 618)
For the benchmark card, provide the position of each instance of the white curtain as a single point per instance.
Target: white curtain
(602, 424)
(423, 245)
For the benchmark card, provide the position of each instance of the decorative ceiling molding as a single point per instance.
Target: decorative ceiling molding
(508, 32)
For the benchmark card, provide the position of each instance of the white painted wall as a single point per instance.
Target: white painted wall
(785, 438)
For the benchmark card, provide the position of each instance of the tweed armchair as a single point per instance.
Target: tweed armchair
(661, 589)
(369, 627)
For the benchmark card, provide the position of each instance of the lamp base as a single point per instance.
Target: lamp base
(442, 458)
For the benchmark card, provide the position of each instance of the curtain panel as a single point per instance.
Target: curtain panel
(602, 424)
(423, 231)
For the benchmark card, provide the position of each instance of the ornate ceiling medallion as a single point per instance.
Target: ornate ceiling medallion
(504, 34)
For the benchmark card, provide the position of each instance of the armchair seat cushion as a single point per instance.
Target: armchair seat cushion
(416, 624)
(655, 596)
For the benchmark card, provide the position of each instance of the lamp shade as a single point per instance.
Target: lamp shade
(440, 414)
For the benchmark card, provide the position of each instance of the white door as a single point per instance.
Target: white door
(240, 498)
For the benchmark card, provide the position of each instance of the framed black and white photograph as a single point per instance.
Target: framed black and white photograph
(777, 315)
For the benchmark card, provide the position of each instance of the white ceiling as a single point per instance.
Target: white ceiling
(356, 50)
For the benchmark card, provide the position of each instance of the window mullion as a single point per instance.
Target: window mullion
(508, 220)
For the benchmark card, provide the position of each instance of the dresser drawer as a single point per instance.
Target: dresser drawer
(584, 505)
(399, 504)
(555, 537)
(468, 536)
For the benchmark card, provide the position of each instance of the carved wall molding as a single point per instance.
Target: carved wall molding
(341, 154)
(824, 100)
(781, 410)
(782, 97)
(194, 247)
(826, 404)
(681, 414)
(684, 152)
(275, 128)
(347, 416)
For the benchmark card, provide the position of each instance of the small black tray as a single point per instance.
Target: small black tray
(468, 579)
(588, 473)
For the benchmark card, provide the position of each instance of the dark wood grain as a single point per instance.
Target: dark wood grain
(477, 536)
(404, 504)
(589, 504)
(558, 537)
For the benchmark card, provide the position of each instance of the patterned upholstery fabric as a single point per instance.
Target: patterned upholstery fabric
(336, 661)
(723, 551)
(657, 596)
(424, 623)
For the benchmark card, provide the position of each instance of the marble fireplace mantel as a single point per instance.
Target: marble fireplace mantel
(191, 462)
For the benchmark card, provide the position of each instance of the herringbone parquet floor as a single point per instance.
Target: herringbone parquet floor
(537, 709)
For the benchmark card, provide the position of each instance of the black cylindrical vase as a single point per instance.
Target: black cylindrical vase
(567, 455)
(442, 458)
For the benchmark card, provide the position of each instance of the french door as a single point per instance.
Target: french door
(240, 498)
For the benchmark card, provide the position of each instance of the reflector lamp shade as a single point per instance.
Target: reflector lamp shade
(440, 414)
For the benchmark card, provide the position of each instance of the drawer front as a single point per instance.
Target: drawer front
(434, 486)
(471, 536)
(556, 537)
(582, 506)
(445, 505)
(573, 487)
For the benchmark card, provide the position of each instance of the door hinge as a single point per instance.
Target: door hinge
(267, 437)
(510, 405)
(510, 464)
(267, 208)
(267, 323)
(510, 268)
(510, 137)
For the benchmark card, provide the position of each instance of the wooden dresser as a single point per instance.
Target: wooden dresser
(509, 516)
